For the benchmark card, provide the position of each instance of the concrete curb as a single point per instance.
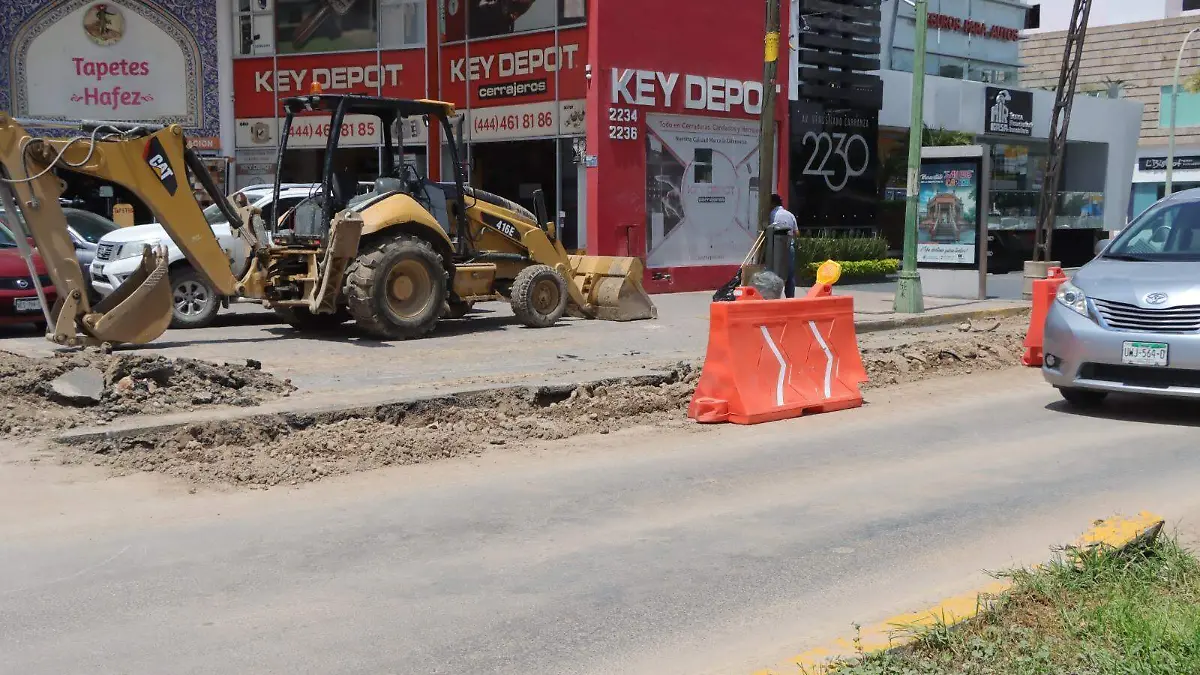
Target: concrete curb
(1116, 534)
(927, 320)
(392, 408)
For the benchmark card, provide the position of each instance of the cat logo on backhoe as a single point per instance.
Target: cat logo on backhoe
(156, 157)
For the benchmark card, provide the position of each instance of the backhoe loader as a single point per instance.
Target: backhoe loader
(395, 260)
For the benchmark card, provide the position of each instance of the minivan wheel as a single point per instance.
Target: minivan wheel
(1083, 398)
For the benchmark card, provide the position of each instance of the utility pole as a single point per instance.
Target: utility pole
(909, 298)
(1060, 121)
(766, 135)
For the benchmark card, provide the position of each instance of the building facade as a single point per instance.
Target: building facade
(1050, 16)
(1134, 61)
(153, 61)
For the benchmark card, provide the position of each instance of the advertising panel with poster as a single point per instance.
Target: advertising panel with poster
(492, 18)
(325, 25)
(701, 189)
(948, 213)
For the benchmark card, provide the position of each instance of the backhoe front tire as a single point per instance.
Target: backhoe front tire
(539, 296)
(395, 290)
(301, 318)
(194, 303)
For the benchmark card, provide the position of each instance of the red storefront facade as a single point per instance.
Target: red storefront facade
(638, 119)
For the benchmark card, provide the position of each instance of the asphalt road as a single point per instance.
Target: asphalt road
(693, 551)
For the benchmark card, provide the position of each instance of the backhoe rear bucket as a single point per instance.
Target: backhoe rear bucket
(612, 288)
(139, 310)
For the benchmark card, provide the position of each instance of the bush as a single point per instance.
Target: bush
(853, 269)
(842, 249)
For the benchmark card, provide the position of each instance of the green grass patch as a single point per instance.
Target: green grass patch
(1084, 614)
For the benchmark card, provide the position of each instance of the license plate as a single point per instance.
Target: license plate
(27, 305)
(1145, 354)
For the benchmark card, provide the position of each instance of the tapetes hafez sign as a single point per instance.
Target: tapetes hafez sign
(1008, 111)
(112, 60)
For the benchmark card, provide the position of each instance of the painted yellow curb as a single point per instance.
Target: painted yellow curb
(1115, 533)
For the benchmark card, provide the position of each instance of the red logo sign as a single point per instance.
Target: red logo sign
(519, 69)
(971, 27)
(257, 83)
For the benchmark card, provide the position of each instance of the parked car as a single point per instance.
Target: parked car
(85, 229)
(18, 297)
(195, 302)
(1129, 321)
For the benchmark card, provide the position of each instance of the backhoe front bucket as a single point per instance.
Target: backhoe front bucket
(139, 310)
(612, 288)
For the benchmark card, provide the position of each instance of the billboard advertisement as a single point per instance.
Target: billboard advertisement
(325, 25)
(460, 19)
(701, 189)
(948, 213)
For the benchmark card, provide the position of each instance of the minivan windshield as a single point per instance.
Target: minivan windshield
(1170, 230)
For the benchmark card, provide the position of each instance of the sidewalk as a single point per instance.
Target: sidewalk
(487, 349)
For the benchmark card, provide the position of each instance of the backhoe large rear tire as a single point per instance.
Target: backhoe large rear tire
(396, 289)
(539, 296)
(301, 318)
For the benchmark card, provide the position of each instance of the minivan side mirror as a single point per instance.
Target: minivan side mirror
(1101, 245)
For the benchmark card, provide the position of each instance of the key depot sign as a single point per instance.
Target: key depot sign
(120, 60)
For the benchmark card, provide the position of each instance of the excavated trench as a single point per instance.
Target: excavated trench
(290, 449)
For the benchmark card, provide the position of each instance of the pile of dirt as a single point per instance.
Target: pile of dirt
(40, 394)
(910, 356)
(290, 449)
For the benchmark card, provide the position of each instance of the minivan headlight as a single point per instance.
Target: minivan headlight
(1071, 296)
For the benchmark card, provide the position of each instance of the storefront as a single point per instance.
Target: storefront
(1150, 176)
(121, 60)
(1014, 125)
(643, 144)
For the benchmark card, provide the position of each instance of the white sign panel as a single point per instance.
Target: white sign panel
(105, 60)
(527, 120)
(701, 190)
(308, 132)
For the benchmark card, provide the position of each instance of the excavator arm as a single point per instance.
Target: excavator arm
(150, 161)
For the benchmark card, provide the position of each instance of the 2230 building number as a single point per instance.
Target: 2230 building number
(625, 128)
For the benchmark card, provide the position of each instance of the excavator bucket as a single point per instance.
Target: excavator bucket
(137, 311)
(612, 288)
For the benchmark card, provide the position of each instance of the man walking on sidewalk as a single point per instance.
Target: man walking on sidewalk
(782, 219)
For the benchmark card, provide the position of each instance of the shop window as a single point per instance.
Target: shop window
(254, 28)
(1187, 113)
(702, 164)
(952, 69)
(401, 23)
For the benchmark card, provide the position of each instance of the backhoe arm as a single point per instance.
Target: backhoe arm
(152, 163)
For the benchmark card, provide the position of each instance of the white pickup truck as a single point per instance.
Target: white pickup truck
(196, 304)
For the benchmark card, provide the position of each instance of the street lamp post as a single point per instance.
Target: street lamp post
(1174, 106)
(909, 298)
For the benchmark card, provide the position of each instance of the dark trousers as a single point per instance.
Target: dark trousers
(789, 286)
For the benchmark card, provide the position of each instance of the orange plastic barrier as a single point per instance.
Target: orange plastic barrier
(770, 360)
(1044, 291)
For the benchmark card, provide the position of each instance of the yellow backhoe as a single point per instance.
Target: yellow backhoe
(395, 260)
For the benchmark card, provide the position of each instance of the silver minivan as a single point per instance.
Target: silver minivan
(1129, 321)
